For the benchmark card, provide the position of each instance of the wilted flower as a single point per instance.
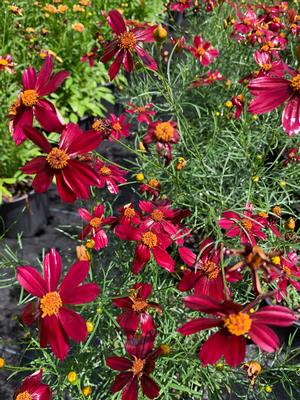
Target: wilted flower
(110, 176)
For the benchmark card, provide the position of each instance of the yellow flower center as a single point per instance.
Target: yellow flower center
(129, 212)
(200, 51)
(57, 158)
(238, 324)
(50, 304)
(287, 270)
(295, 83)
(153, 183)
(117, 126)
(266, 67)
(211, 270)
(137, 366)
(247, 224)
(164, 131)
(149, 239)
(98, 125)
(139, 305)
(3, 62)
(95, 222)
(276, 260)
(105, 171)
(157, 215)
(30, 97)
(24, 396)
(127, 41)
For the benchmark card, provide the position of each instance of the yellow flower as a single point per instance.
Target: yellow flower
(255, 178)
(275, 260)
(229, 104)
(142, 147)
(140, 177)
(2, 362)
(282, 183)
(219, 366)
(268, 389)
(290, 223)
(78, 27)
(90, 244)
(90, 326)
(72, 376)
(86, 391)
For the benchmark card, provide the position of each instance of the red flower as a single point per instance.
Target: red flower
(164, 133)
(144, 114)
(96, 221)
(181, 5)
(102, 126)
(271, 92)
(205, 274)
(128, 215)
(292, 155)
(118, 126)
(290, 274)
(152, 187)
(208, 79)
(238, 104)
(31, 102)
(56, 321)
(147, 242)
(125, 43)
(246, 21)
(160, 218)
(90, 57)
(136, 308)
(109, 175)
(7, 64)
(73, 175)
(32, 388)
(246, 226)
(136, 369)
(203, 51)
(179, 43)
(234, 322)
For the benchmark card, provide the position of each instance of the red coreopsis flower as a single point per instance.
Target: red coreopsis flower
(33, 388)
(73, 175)
(271, 92)
(246, 21)
(110, 176)
(160, 218)
(7, 64)
(57, 322)
(292, 155)
(234, 322)
(152, 187)
(247, 227)
(289, 274)
(94, 228)
(31, 101)
(118, 126)
(238, 103)
(147, 242)
(164, 134)
(203, 51)
(144, 113)
(128, 215)
(208, 79)
(205, 274)
(136, 307)
(136, 369)
(179, 43)
(181, 5)
(127, 42)
(90, 57)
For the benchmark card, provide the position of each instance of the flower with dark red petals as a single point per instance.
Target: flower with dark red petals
(270, 92)
(136, 309)
(126, 42)
(31, 103)
(181, 5)
(94, 228)
(57, 322)
(110, 176)
(90, 57)
(118, 126)
(289, 274)
(208, 79)
(144, 112)
(234, 322)
(33, 388)
(7, 64)
(74, 175)
(203, 51)
(136, 369)
(152, 187)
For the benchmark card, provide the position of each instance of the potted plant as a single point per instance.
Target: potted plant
(21, 210)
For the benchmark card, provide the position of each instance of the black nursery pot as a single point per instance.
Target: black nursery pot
(27, 215)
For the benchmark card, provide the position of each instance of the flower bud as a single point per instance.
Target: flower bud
(160, 33)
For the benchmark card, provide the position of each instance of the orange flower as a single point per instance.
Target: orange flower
(78, 27)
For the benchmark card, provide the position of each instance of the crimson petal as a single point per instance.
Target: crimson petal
(73, 324)
(31, 280)
(52, 269)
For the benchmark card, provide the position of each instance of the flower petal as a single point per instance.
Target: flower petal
(82, 294)
(198, 324)
(73, 324)
(76, 274)
(31, 280)
(119, 363)
(52, 269)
